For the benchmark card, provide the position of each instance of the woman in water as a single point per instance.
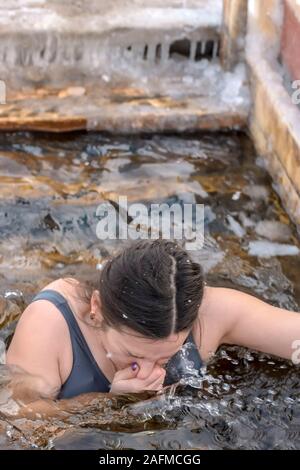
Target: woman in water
(121, 334)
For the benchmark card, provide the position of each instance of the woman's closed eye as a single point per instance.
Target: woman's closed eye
(160, 362)
(163, 362)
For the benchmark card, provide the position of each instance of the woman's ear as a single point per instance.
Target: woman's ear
(96, 302)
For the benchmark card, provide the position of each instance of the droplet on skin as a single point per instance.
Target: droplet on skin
(109, 355)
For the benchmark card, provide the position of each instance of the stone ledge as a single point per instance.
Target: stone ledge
(277, 116)
(142, 115)
(274, 119)
(200, 97)
(94, 16)
(282, 183)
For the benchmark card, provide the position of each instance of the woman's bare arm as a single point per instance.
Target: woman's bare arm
(36, 347)
(244, 320)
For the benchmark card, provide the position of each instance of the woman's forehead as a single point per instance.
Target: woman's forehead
(134, 343)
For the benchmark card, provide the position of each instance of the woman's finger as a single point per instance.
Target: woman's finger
(156, 374)
(156, 385)
(159, 375)
(128, 373)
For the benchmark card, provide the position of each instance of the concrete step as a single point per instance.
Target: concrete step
(213, 100)
(49, 39)
(125, 67)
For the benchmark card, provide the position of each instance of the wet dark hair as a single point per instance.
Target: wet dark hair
(151, 287)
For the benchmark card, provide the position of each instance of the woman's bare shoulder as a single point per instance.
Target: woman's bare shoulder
(41, 320)
(213, 299)
(210, 327)
(39, 343)
(210, 300)
(62, 284)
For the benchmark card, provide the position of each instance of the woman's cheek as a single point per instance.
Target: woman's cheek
(123, 364)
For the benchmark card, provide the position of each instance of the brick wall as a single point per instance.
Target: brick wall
(290, 46)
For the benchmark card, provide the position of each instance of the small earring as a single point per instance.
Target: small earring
(92, 316)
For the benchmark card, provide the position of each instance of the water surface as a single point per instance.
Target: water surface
(50, 188)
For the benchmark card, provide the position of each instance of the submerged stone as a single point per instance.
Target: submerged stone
(273, 230)
(266, 249)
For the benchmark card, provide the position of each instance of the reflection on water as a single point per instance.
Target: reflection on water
(50, 187)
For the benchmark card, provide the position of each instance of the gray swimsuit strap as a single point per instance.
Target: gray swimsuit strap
(85, 376)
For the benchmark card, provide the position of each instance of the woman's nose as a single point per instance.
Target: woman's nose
(146, 368)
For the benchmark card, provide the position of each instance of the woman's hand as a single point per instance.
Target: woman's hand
(127, 380)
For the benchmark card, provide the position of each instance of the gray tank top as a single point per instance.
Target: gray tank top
(86, 376)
